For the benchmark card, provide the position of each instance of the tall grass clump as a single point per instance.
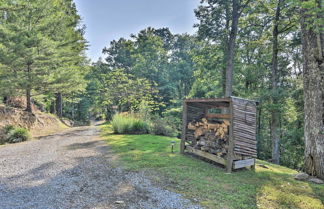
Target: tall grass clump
(15, 134)
(129, 124)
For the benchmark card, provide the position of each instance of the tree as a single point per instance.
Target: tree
(283, 21)
(41, 47)
(182, 64)
(312, 23)
(114, 87)
(24, 49)
(71, 65)
(157, 55)
(212, 17)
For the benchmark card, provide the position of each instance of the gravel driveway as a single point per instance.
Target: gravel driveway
(74, 169)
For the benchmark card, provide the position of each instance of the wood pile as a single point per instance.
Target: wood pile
(209, 136)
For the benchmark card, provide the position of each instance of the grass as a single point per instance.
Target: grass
(128, 124)
(196, 179)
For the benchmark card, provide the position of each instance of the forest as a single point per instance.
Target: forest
(266, 50)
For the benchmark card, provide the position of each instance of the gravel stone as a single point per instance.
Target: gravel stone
(75, 169)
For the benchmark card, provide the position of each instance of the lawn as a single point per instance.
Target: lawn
(272, 187)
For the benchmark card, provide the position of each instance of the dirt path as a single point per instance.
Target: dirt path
(74, 169)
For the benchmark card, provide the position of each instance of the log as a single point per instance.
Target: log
(191, 127)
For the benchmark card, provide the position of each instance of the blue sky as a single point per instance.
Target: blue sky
(107, 20)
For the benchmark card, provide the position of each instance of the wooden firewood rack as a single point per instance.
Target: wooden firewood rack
(242, 115)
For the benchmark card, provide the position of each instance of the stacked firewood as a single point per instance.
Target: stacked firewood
(209, 137)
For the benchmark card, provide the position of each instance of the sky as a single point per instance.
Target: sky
(108, 20)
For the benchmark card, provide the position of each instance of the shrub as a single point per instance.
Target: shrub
(129, 124)
(173, 118)
(161, 126)
(140, 126)
(8, 128)
(18, 135)
(2, 137)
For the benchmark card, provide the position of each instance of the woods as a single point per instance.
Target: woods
(270, 51)
(41, 51)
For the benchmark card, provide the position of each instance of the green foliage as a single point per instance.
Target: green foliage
(208, 184)
(17, 134)
(252, 68)
(8, 128)
(160, 57)
(41, 48)
(130, 124)
(163, 126)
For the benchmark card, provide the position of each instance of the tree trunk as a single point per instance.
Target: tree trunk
(59, 106)
(5, 99)
(275, 113)
(231, 49)
(52, 107)
(313, 92)
(28, 100)
(225, 43)
(28, 90)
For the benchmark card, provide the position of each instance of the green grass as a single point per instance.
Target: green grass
(128, 124)
(263, 188)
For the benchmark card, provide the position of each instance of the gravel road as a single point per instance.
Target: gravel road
(75, 169)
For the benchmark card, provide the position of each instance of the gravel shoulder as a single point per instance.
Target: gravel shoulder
(75, 169)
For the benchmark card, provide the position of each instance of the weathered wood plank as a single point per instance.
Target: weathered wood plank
(223, 116)
(244, 116)
(244, 163)
(244, 113)
(243, 139)
(244, 130)
(244, 144)
(245, 119)
(208, 105)
(244, 135)
(237, 100)
(249, 153)
(207, 155)
(245, 150)
(230, 152)
(244, 108)
(184, 128)
(208, 100)
(245, 154)
(244, 124)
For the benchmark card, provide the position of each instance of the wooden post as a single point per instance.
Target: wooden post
(184, 127)
(253, 166)
(230, 153)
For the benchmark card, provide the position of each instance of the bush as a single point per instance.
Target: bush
(2, 138)
(173, 117)
(8, 128)
(16, 135)
(129, 124)
(162, 126)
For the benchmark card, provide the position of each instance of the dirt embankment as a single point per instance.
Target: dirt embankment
(38, 123)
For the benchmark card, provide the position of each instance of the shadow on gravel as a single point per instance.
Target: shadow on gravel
(91, 182)
(83, 145)
(84, 181)
(67, 133)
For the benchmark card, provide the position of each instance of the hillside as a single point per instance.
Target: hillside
(38, 123)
